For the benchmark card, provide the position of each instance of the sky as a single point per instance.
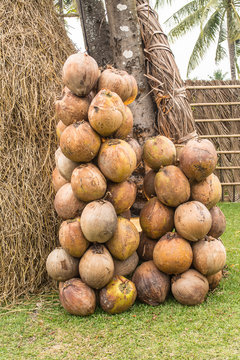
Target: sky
(181, 49)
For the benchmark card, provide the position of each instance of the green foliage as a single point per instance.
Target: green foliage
(211, 16)
(41, 329)
(218, 75)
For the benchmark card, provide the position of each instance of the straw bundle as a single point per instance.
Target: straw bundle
(34, 45)
(175, 118)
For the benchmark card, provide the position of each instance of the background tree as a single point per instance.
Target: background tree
(218, 20)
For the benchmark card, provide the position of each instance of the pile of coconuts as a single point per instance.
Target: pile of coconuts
(102, 258)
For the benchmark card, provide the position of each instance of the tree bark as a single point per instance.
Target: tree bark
(126, 43)
(95, 30)
(231, 44)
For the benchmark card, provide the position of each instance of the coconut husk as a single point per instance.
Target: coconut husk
(34, 46)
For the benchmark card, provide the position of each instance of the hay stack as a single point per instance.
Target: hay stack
(34, 46)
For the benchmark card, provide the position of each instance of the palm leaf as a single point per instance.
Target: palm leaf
(222, 36)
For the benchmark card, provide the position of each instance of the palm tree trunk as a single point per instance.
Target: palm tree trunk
(231, 44)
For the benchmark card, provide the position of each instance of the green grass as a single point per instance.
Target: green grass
(41, 329)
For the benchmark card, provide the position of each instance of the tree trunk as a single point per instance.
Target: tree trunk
(126, 43)
(95, 30)
(231, 44)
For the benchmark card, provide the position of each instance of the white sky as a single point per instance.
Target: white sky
(182, 48)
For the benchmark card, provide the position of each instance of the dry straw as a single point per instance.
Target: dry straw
(34, 46)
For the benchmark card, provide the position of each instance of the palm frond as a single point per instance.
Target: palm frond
(185, 11)
(207, 36)
(162, 3)
(222, 36)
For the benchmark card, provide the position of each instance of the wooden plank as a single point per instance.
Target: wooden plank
(229, 152)
(215, 104)
(227, 167)
(216, 120)
(231, 184)
(206, 87)
(220, 136)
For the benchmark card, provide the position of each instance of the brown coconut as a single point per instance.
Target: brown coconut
(198, 159)
(65, 166)
(159, 151)
(61, 266)
(125, 240)
(71, 108)
(172, 186)
(190, 288)
(96, 266)
(192, 220)
(79, 142)
(126, 267)
(148, 184)
(208, 191)
(127, 125)
(116, 160)
(218, 222)
(120, 82)
(146, 247)
(209, 255)
(214, 280)
(152, 285)
(60, 128)
(88, 183)
(77, 298)
(57, 180)
(66, 204)
(172, 254)
(136, 147)
(80, 73)
(156, 219)
(71, 238)
(99, 221)
(106, 113)
(122, 195)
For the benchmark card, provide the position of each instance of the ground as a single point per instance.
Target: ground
(39, 328)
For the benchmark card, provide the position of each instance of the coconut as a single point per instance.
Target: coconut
(66, 204)
(126, 214)
(120, 82)
(60, 128)
(122, 195)
(71, 108)
(192, 220)
(208, 191)
(127, 125)
(118, 296)
(152, 285)
(106, 113)
(116, 160)
(190, 288)
(96, 267)
(209, 255)
(65, 166)
(198, 159)
(156, 219)
(159, 151)
(172, 186)
(79, 142)
(77, 298)
(61, 266)
(214, 280)
(137, 148)
(146, 247)
(80, 73)
(57, 180)
(172, 254)
(125, 240)
(72, 239)
(127, 266)
(148, 184)
(88, 183)
(218, 222)
(99, 221)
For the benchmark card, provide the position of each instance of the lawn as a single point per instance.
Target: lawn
(41, 329)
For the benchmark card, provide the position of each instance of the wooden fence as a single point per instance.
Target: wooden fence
(216, 109)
